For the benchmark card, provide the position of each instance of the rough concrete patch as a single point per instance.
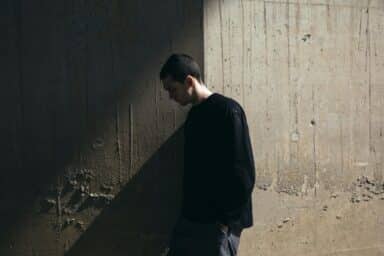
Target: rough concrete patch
(365, 189)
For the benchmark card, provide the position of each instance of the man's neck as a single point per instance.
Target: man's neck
(202, 93)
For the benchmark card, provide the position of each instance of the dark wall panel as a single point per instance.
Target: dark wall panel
(92, 146)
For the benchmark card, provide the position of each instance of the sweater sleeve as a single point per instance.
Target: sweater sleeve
(238, 178)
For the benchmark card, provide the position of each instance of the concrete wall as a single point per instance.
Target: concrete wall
(90, 143)
(92, 147)
(310, 75)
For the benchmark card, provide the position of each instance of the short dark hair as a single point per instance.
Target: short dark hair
(179, 66)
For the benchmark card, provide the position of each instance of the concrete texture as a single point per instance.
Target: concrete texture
(90, 140)
(92, 146)
(310, 76)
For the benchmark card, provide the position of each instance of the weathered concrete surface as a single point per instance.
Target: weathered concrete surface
(325, 225)
(85, 123)
(310, 74)
(86, 126)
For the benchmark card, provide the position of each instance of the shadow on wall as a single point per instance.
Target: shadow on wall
(140, 219)
(73, 70)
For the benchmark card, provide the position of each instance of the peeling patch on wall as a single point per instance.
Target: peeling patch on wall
(365, 190)
(75, 197)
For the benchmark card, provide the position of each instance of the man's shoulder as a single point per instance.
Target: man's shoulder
(228, 104)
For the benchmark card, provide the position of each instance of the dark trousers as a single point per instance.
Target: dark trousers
(197, 239)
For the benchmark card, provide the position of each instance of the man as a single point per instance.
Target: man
(219, 172)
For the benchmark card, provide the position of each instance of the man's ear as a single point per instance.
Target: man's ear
(189, 80)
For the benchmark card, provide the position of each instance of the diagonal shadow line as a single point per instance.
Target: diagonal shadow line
(45, 141)
(139, 220)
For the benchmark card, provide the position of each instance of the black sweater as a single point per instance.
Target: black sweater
(219, 172)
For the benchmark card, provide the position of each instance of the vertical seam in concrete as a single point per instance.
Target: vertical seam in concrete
(118, 142)
(352, 45)
(58, 211)
(288, 53)
(174, 117)
(117, 115)
(275, 179)
(295, 95)
(54, 141)
(130, 140)
(266, 41)
(157, 111)
(289, 77)
(314, 125)
(341, 145)
(361, 17)
(59, 188)
(86, 70)
(314, 142)
(368, 57)
(202, 20)
(20, 82)
(230, 36)
(222, 44)
(329, 26)
(243, 52)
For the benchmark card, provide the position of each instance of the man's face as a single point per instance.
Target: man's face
(179, 92)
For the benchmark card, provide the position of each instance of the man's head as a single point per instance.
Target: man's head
(180, 74)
